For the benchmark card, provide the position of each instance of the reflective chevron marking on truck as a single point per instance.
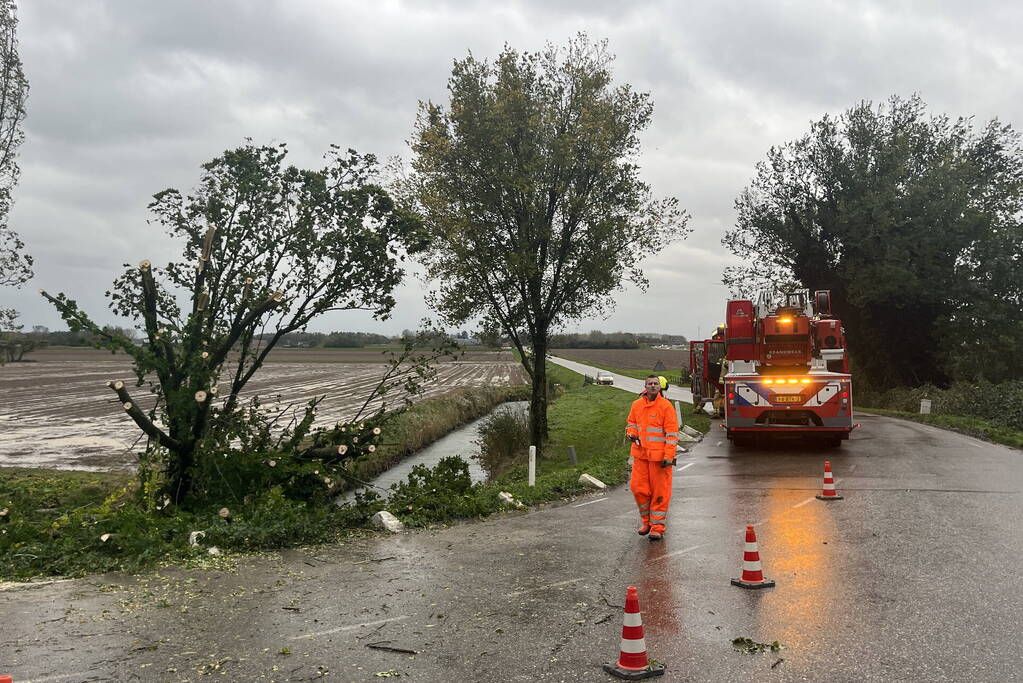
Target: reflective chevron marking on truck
(755, 394)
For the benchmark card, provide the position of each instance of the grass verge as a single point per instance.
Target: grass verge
(971, 426)
(591, 418)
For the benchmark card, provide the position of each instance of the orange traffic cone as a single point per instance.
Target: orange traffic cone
(632, 661)
(6, 679)
(752, 574)
(828, 492)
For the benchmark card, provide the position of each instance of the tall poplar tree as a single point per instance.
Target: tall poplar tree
(533, 205)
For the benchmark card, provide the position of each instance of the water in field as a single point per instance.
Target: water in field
(459, 442)
(57, 412)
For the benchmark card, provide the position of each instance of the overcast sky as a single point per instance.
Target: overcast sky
(129, 97)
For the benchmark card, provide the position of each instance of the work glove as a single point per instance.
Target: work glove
(667, 463)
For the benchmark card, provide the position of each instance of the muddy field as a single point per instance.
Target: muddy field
(628, 359)
(58, 412)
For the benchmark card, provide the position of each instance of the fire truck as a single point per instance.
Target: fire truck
(706, 371)
(787, 369)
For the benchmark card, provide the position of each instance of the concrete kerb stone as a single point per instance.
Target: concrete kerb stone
(592, 482)
(385, 520)
(691, 432)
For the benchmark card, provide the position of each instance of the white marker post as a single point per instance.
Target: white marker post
(678, 413)
(532, 465)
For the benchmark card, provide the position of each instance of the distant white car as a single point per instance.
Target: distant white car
(605, 378)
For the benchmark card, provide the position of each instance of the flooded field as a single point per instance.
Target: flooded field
(58, 412)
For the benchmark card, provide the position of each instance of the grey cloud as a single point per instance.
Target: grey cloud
(131, 97)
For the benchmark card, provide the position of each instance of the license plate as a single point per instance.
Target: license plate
(788, 398)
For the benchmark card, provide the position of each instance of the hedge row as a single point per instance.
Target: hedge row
(1000, 403)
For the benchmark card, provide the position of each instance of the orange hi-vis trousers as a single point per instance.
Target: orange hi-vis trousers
(651, 487)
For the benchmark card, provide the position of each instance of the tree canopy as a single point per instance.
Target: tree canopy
(913, 222)
(266, 248)
(532, 203)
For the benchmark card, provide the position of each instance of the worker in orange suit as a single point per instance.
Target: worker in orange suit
(653, 429)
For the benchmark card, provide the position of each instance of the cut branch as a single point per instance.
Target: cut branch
(141, 419)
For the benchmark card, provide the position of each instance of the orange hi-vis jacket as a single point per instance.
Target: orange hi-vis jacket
(656, 425)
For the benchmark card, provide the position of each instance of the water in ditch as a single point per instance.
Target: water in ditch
(460, 442)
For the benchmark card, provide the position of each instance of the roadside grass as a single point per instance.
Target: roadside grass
(43, 493)
(971, 426)
(591, 418)
(73, 523)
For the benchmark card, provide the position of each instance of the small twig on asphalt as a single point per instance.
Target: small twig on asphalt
(293, 609)
(372, 633)
(780, 660)
(380, 559)
(380, 646)
(609, 604)
(603, 619)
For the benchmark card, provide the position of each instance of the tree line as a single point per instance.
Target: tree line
(595, 339)
(80, 338)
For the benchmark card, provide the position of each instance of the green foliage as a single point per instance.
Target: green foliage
(533, 209)
(913, 223)
(1001, 404)
(503, 441)
(96, 527)
(751, 647)
(266, 248)
(595, 340)
(440, 494)
(353, 340)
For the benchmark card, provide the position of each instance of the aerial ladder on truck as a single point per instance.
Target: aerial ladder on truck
(787, 369)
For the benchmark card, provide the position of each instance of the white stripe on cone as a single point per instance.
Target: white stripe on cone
(634, 646)
(632, 619)
(751, 565)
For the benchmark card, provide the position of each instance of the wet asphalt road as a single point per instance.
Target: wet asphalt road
(914, 576)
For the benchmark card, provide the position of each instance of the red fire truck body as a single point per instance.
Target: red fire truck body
(788, 370)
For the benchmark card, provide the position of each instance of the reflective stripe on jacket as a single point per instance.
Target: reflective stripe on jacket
(656, 425)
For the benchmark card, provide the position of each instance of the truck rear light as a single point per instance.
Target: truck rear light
(730, 396)
(845, 401)
(845, 394)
